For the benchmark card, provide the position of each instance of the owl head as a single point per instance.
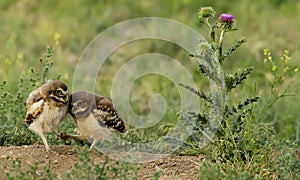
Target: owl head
(57, 91)
(81, 104)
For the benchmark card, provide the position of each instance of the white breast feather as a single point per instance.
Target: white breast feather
(90, 128)
(50, 119)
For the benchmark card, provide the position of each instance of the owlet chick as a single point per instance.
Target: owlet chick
(94, 116)
(46, 108)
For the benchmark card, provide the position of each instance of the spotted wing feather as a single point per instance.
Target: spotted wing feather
(106, 114)
(34, 106)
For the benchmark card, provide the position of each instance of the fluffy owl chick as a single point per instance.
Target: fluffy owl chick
(46, 107)
(94, 116)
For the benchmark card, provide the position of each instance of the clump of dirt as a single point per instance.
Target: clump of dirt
(62, 159)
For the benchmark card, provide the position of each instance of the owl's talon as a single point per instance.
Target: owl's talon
(63, 136)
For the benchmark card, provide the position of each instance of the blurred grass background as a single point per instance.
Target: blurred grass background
(28, 26)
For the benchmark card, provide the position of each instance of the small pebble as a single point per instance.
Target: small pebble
(38, 173)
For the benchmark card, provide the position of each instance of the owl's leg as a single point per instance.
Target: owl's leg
(45, 141)
(93, 144)
(65, 136)
(77, 136)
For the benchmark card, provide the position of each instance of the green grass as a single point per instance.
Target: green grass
(28, 27)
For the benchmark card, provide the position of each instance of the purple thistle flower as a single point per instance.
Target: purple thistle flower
(226, 18)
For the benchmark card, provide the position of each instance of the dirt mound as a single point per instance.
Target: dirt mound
(62, 159)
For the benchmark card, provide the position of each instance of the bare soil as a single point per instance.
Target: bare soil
(62, 159)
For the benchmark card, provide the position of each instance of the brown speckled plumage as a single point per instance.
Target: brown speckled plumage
(46, 108)
(94, 115)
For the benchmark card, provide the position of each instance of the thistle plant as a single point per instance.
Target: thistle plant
(234, 114)
(244, 144)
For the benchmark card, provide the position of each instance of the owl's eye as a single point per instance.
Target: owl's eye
(80, 104)
(58, 92)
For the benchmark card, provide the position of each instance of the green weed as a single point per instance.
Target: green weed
(245, 146)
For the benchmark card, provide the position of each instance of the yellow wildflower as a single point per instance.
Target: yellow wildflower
(57, 37)
(266, 51)
(20, 56)
(286, 69)
(270, 58)
(296, 69)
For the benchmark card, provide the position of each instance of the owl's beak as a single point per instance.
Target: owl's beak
(72, 110)
(67, 97)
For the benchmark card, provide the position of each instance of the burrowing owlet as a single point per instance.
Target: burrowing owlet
(94, 116)
(46, 107)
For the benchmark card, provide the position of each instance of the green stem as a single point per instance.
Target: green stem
(211, 31)
(230, 132)
(221, 44)
(207, 23)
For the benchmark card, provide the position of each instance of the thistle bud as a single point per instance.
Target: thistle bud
(206, 12)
